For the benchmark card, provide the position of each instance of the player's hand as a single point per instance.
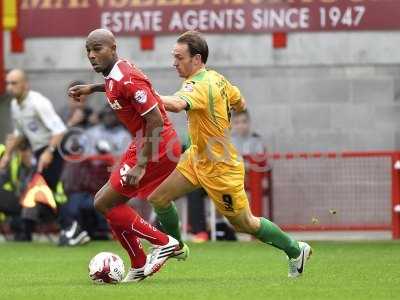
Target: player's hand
(79, 90)
(134, 175)
(45, 160)
(4, 161)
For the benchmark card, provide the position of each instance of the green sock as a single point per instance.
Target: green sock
(271, 234)
(169, 220)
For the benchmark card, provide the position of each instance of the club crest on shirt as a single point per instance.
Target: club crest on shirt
(141, 96)
(33, 126)
(188, 86)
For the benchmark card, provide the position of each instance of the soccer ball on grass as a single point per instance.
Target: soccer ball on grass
(106, 267)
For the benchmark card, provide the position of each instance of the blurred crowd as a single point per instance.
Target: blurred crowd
(89, 144)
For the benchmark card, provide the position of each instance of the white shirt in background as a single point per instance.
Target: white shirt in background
(36, 119)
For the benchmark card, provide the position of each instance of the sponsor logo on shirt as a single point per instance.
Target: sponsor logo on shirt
(115, 105)
(141, 96)
(188, 86)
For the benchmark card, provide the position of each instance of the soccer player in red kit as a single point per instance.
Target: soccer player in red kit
(151, 157)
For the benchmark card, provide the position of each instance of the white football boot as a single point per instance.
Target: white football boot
(135, 275)
(159, 256)
(296, 265)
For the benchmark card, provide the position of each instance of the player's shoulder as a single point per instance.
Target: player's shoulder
(14, 104)
(214, 75)
(196, 83)
(125, 73)
(35, 95)
(118, 72)
(200, 77)
(37, 99)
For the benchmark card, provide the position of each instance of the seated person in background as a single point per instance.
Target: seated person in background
(13, 182)
(77, 114)
(82, 179)
(109, 136)
(246, 141)
(34, 119)
(79, 220)
(197, 210)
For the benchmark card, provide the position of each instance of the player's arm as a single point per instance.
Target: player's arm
(12, 143)
(174, 103)
(145, 103)
(240, 105)
(85, 89)
(154, 125)
(192, 96)
(236, 100)
(53, 122)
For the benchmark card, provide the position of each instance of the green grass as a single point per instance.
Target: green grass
(361, 270)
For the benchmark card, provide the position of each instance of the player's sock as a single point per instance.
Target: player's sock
(169, 220)
(133, 246)
(124, 217)
(271, 234)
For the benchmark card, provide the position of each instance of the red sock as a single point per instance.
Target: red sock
(125, 218)
(133, 246)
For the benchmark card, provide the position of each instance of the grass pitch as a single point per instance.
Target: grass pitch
(222, 270)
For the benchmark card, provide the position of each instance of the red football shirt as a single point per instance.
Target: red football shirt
(131, 95)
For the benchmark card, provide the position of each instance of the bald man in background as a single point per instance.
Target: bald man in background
(35, 119)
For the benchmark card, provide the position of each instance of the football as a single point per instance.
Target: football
(106, 267)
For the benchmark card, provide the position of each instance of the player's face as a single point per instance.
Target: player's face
(16, 85)
(241, 125)
(185, 64)
(100, 55)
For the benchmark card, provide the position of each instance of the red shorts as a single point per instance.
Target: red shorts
(156, 172)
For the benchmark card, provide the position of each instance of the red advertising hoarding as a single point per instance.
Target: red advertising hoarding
(138, 17)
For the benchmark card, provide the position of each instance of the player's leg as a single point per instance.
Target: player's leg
(176, 185)
(125, 218)
(112, 205)
(228, 194)
(164, 245)
(264, 230)
(269, 233)
(127, 226)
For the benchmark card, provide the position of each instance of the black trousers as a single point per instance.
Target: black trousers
(9, 203)
(52, 173)
(196, 210)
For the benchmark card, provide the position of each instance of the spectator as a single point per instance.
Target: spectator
(251, 146)
(13, 183)
(109, 136)
(79, 221)
(77, 114)
(246, 141)
(35, 119)
(197, 212)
